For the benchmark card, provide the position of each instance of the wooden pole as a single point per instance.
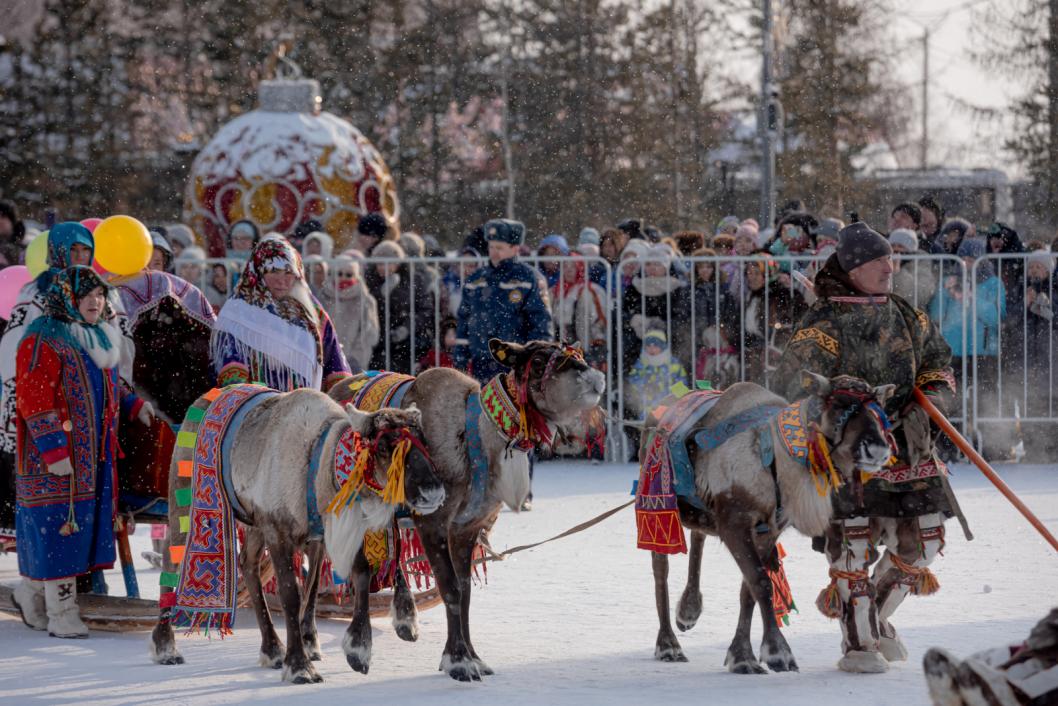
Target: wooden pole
(983, 466)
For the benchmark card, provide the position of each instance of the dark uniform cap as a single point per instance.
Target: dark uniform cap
(505, 231)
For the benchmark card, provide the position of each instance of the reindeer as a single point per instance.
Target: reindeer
(270, 458)
(748, 504)
(550, 384)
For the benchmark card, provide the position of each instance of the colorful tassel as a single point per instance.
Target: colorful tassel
(393, 493)
(829, 601)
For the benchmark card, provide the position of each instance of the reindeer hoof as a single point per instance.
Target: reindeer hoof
(671, 653)
(460, 669)
(273, 660)
(167, 655)
(892, 648)
(863, 662)
(688, 611)
(483, 669)
(357, 655)
(406, 630)
(312, 651)
(305, 674)
(743, 661)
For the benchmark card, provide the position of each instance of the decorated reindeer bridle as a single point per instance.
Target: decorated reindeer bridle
(362, 475)
(505, 400)
(820, 464)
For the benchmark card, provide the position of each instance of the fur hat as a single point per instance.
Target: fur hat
(388, 248)
(413, 244)
(858, 244)
(372, 225)
(904, 238)
(504, 230)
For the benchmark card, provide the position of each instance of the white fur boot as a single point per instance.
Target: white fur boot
(29, 599)
(64, 618)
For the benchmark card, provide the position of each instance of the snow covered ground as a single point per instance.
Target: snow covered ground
(573, 622)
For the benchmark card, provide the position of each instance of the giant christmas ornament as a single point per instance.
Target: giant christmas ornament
(285, 163)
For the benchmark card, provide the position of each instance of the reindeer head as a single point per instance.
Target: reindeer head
(853, 421)
(396, 435)
(554, 376)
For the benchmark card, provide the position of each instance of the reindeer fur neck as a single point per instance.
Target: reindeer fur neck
(803, 507)
(508, 470)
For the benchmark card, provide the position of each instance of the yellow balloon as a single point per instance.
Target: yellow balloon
(37, 254)
(123, 245)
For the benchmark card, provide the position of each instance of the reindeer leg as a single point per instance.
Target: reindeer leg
(357, 641)
(404, 614)
(774, 650)
(163, 642)
(462, 549)
(667, 648)
(297, 668)
(689, 609)
(740, 658)
(272, 652)
(309, 635)
(456, 660)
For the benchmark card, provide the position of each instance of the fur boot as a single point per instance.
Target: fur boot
(29, 599)
(64, 618)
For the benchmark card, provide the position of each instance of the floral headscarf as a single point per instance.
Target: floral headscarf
(272, 255)
(61, 311)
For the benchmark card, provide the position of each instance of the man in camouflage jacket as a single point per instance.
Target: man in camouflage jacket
(857, 327)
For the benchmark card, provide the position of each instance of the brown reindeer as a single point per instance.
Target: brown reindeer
(549, 384)
(270, 458)
(748, 504)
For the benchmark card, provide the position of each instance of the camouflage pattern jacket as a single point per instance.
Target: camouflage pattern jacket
(884, 340)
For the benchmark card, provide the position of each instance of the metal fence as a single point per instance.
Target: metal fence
(724, 319)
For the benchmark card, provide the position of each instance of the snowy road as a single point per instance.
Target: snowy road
(573, 622)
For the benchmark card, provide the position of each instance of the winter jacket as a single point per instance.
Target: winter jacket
(408, 336)
(354, 313)
(666, 299)
(983, 332)
(502, 301)
(649, 382)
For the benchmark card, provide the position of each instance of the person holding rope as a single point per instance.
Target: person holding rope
(858, 327)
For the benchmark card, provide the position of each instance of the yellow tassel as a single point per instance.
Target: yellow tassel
(926, 585)
(835, 479)
(393, 493)
(350, 490)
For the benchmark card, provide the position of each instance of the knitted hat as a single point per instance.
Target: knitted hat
(635, 248)
(656, 337)
(588, 236)
(373, 225)
(904, 238)
(588, 250)
(828, 228)
(191, 254)
(728, 224)
(972, 247)
(557, 241)
(1043, 257)
(505, 230)
(858, 245)
(388, 248)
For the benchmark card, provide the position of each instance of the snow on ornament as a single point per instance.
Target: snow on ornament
(285, 163)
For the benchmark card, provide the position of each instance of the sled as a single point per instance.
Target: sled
(121, 614)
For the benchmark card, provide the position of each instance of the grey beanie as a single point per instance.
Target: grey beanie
(858, 245)
(588, 236)
(904, 238)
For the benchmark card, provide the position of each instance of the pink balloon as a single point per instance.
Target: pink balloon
(91, 223)
(12, 280)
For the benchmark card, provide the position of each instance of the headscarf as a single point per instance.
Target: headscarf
(283, 337)
(61, 239)
(61, 314)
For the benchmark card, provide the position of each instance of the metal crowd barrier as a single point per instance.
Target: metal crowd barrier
(1001, 386)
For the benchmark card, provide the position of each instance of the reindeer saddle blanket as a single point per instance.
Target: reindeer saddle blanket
(667, 473)
(207, 584)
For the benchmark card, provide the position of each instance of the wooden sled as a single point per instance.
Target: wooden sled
(121, 614)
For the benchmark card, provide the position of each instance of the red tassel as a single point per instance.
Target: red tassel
(829, 601)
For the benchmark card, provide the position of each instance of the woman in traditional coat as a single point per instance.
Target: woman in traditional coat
(69, 402)
(273, 331)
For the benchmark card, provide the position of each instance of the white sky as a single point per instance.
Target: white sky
(956, 137)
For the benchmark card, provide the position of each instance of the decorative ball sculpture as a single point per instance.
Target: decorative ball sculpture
(285, 163)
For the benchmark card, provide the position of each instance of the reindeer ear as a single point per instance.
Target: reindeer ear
(415, 414)
(815, 384)
(361, 421)
(506, 353)
(882, 393)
